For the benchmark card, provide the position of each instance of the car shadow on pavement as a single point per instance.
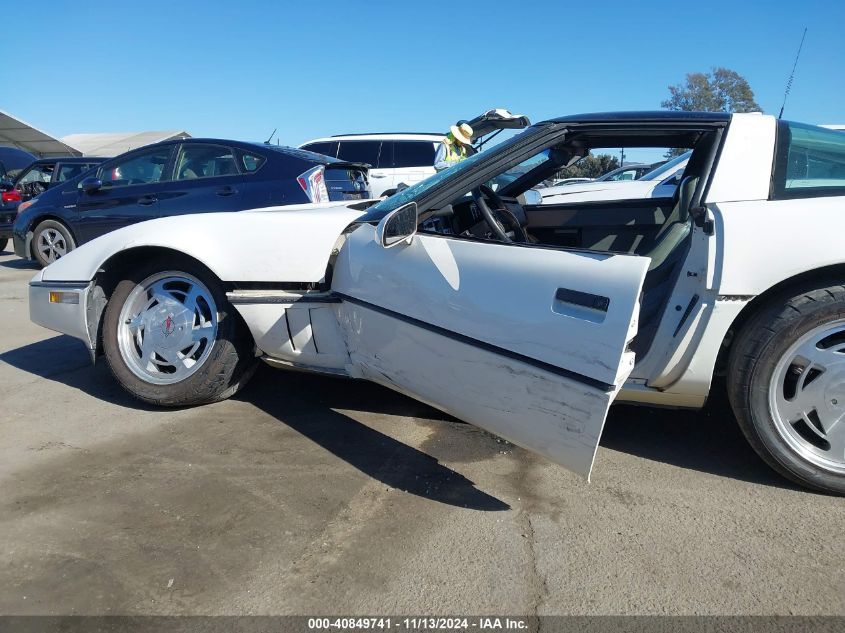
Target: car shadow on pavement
(708, 441)
(64, 359)
(306, 403)
(19, 264)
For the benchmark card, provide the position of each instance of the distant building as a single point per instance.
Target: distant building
(114, 143)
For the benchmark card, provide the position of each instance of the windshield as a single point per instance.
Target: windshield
(666, 169)
(415, 191)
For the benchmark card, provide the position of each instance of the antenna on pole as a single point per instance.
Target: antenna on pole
(267, 142)
(792, 74)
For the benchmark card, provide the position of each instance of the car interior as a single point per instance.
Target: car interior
(205, 162)
(656, 228)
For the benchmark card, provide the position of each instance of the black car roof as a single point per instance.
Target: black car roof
(648, 116)
(293, 152)
(224, 141)
(282, 149)
(69, 159)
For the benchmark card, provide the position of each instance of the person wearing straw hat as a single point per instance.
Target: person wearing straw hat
(456, 146)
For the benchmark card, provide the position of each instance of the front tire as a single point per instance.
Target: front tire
(171, 338)
(51, 240)
(787, 385)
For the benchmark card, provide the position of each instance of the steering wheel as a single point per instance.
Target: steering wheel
(480, 196)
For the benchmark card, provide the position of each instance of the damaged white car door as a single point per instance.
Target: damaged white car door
(527, 342)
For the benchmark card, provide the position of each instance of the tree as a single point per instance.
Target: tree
(720, 90)
(591, 166)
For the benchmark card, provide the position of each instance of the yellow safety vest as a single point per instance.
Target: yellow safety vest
(454, 155)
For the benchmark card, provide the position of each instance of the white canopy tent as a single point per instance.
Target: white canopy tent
(17, 133)
(115, 143)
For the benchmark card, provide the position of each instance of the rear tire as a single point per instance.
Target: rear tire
(3, 242)
(171, 338)
(786, 384)
(51, 240)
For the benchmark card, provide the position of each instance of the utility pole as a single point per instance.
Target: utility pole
(622, 157)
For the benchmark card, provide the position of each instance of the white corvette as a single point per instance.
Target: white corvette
(460, 296)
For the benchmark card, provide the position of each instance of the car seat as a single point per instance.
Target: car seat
(666, 255)
(190, 170)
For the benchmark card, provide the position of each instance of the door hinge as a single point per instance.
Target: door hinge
(699, 216)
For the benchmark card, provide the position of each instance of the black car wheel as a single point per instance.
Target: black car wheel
(51, 240)
(172, 338)
(787, 385)
(3, 242)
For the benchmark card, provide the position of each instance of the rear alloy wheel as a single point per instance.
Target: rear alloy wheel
(787, 386)
(51, 240)
(807, 396)
(171, 337)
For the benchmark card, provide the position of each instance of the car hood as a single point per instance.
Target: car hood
(597, 190)
(274, 244)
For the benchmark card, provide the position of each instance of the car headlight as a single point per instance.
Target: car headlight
(23, 206)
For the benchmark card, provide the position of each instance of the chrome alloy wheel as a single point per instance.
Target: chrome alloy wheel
(807, 396)
(167, 327)
(52, 245)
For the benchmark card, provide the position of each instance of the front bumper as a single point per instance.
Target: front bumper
(21, 244)
(7, 219)
(64, 306)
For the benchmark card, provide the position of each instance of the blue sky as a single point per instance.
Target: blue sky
(238, 69)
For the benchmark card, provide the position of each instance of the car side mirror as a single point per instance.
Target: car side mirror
(397, 226)
(530, 198)
(91, 184)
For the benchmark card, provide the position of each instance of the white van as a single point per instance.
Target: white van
(396, 158)
(408, 157)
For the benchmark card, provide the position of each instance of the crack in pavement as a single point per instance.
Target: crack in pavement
(538, 582)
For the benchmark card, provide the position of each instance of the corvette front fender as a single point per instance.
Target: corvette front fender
(278, 244)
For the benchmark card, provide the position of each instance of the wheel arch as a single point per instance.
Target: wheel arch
(833, 273)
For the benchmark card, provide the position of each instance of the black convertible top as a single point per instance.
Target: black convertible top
(655, 116)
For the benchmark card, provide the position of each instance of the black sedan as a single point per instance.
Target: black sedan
(175, 178)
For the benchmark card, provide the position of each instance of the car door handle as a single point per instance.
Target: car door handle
(147, 200)
(226, 191)
(584, 299)
(378, 175)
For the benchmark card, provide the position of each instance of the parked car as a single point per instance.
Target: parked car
(405, 158)
(48, 172)
(35, 180)
(660, 182)
(559, 182)
(178, 177)
(447, 292)
(631, 171)
(394, 159)
(12, 160)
